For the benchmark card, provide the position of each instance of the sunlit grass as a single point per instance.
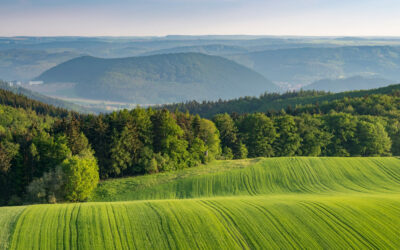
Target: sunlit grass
(8, 218)
(276, 203)
(308, 221)
(260, 176)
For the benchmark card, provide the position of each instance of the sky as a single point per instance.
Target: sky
(199, 17)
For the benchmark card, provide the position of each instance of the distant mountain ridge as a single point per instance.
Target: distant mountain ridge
(301, 66)
(162, 78)
(24, 64)
(210, 49)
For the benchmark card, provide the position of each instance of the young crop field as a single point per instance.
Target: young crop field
(285, 203)
(310, 175)
(8, 217)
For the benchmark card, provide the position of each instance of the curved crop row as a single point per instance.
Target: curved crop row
(264, 176)
(268, 222)
(8, 218)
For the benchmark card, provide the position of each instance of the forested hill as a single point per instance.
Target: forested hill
(9, 98)
(163, 78)
(271, 102)
(44, 100)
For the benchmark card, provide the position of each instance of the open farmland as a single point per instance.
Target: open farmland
(287, 175)
(261, 203)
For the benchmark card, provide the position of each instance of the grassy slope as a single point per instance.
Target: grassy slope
(283, 222)
(261, 176)
(8, 218)
(300, 202)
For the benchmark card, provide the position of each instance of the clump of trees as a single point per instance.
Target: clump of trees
(334, 134)
(47, 159)
(146, 141)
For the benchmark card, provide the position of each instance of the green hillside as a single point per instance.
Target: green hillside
(159, 78)
(340, 222)
(261, 176)
(264, 203)
(273, 102)
(34, 96)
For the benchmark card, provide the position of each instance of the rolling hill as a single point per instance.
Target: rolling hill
(261, 203)
(43, 99)
(301, 66)
(25, 64)
(260, 176)
(348, 84)
(158, 79)
(272, 102)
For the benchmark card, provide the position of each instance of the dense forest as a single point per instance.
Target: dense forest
(51, 155)
(42, 99)
(41, 154)
(18, 100)
(270, 102)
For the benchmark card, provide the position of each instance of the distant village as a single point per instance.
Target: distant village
(22, 83)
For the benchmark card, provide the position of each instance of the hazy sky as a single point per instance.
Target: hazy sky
(196, 17)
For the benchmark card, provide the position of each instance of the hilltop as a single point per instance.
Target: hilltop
(158, 79)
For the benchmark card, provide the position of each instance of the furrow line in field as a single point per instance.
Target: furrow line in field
(77, 226)
(16, 234)
(334, 226)
(130, 226)
(276, 224)
(340, 223)
(348, 227)
(118, 227)
(230, 224)
(151, 206)
(386, 170)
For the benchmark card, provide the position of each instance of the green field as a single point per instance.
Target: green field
(334, 203)
(291, 175)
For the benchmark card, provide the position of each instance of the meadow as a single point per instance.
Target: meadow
(274, 203)
(285, 175)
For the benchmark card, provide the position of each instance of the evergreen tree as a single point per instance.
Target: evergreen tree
(229, 135)
(124, 150)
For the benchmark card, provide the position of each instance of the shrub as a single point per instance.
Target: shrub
(82, 177)
(48, 188)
